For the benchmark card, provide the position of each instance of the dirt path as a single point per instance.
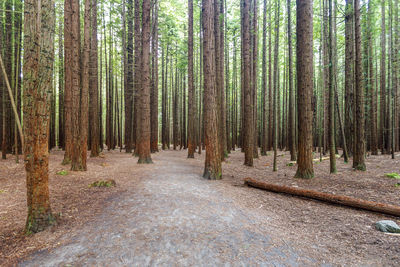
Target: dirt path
(173, 217)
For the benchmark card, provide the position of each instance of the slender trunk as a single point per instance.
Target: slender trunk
(359, 138)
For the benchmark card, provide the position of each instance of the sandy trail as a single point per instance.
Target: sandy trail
(173, 217)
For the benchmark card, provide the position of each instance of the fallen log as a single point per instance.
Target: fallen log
(325, 197)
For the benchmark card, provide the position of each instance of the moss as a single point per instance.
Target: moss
(63, 172)
(106, 183)
(393, 175)
(304, 174)
(145, 161)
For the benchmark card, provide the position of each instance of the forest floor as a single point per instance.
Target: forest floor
(167, 214)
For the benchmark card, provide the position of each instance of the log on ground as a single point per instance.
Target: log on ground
(326, 197)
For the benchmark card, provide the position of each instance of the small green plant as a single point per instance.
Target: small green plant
(393, 175)
(397, 185)
(107, 183)
(290, 164)
(2, 191)
(63, 172)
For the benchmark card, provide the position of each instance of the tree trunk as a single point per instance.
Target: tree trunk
(383, 120)
(212, 168)
(93, 86)
(191, 93)
(154, 82)
(143, 138)
(359, 138)
(332, 132)
(304, 65)
(276, 85)
(129, 81)
(292, 118)
(38, 46)
(330, 198)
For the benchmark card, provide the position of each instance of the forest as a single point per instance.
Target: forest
(199, 132)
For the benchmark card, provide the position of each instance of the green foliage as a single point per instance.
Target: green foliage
(2, 191)
(393, 175)
(63, 172)
(106, 183)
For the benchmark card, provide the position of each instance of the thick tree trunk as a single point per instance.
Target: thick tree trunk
(304, 65)
(248, 128)
(143, 138)
(38, 47)
(332, 132)
(212, 168)
(154, 81)
(93, 86)
(68, 56)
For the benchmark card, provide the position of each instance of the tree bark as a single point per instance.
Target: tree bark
(143, 138)
(191, 92)
(359, 138)
(326, 197)
(38, 56)
(212, 168)
(304, 65)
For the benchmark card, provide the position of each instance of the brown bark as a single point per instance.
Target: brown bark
(68, 50)
(247, 128)
(80, 85)
(383, 119)
(61, 118)
(93, 86)
(154, 81)
(326, 197)
(359, 140)
(212, 168)
(143, 138)
(191, 92)
(38, 56)
(292, 118)
(349, 77)
(264, 138)
(129, 82)
(137, 73)
(304, 67)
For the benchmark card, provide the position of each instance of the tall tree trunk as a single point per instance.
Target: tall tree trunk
(137, 73)
(191, 93)
(129, 81)
(264, 138)
(212, 168)
(93, 86)
(68, 56)
(143, 138)
(359, 138)
(292, 118)
(247, 94)
(38, 46)
(373, 113)
(332, 132)
(276, 85)
(304, 67)
(383, 119)
(349, 77)
(80, 88)
(154, 82)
